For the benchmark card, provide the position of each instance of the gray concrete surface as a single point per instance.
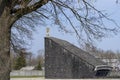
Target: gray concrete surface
(56, 79)
(27, 73)
(40, 78)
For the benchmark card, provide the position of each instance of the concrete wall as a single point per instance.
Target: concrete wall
(27, 73)
(61, 63)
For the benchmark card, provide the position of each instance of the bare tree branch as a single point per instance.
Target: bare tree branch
(92, 27)
(22, 11)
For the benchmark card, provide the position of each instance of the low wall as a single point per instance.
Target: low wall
(27, 73)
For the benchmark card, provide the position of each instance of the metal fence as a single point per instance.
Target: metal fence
(27, 73)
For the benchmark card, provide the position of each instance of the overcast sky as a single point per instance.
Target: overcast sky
(111, 43)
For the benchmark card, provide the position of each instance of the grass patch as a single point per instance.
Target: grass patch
(26, 76)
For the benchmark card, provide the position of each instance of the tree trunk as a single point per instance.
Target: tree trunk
(5, 46)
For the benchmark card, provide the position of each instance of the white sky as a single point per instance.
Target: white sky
(111, 43)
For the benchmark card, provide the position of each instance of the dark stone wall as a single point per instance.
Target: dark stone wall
(61, 63)
(56, 64)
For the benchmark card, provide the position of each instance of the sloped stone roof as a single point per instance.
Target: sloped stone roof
(90, 59)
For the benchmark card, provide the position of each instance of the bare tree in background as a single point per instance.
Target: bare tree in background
(41, 57)
(29, 58)
(118, 58)
(33, 60)
(84, 20)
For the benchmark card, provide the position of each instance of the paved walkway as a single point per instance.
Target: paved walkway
(27, 79)
(56, 79)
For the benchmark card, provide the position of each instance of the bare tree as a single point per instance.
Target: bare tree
(29, 58)
(41, 57)
(33, 60)
(118, 58)
(89, 22)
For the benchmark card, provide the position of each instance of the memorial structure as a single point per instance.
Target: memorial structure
(64, 60)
